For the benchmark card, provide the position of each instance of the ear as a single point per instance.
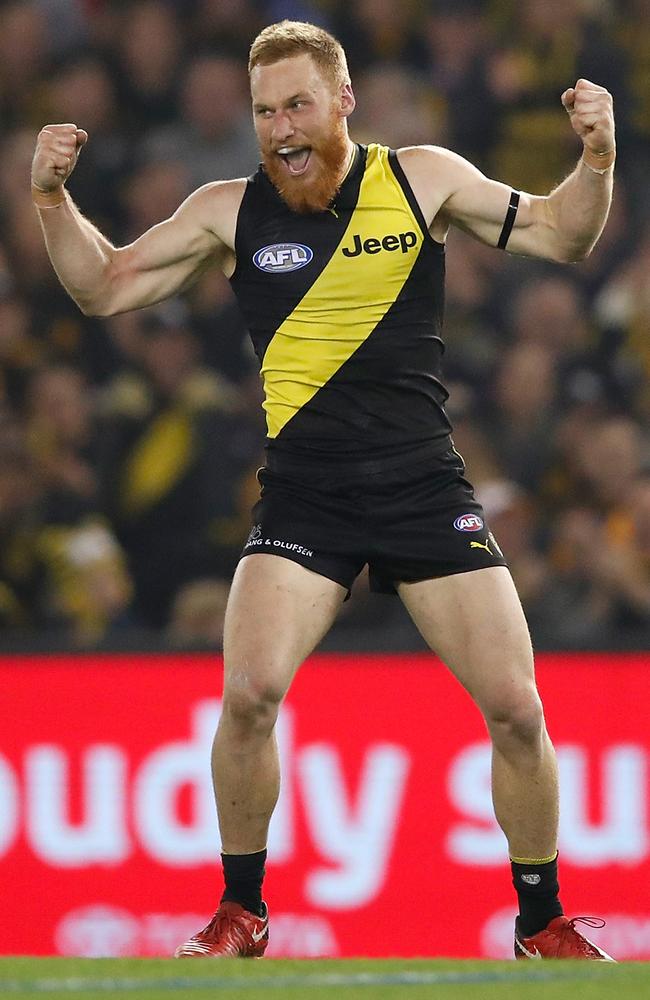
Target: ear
(348, 102)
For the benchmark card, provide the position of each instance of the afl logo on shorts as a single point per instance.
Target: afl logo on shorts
(282, 257)
(469, 522)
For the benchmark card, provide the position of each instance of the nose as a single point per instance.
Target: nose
(282, 127)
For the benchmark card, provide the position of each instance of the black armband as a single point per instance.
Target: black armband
(509, 220)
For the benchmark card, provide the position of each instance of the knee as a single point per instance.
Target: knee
(252, 707)
(517, 721)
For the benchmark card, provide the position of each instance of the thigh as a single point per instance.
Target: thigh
(475, 623)
(309, 522)
(277, 613)
(428, 524)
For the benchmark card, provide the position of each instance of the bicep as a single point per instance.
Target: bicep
(163, 260)
(479, 206)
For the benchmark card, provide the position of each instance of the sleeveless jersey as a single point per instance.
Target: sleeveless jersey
(344, 308)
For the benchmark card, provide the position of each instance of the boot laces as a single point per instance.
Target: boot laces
(582, 942)
(589, 921)
(223, 924)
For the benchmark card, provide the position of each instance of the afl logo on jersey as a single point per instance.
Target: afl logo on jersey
(468, 522)
(281, 257)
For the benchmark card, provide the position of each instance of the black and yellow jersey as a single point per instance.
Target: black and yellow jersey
(345, 308)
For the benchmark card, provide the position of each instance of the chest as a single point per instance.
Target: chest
(349, 254)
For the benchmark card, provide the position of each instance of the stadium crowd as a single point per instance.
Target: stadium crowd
(129, 446)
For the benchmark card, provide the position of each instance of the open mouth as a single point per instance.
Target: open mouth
(295, 158)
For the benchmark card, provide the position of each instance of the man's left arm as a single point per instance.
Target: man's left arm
(563, 225)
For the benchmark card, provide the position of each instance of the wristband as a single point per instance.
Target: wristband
(48, 199)
(599, 163)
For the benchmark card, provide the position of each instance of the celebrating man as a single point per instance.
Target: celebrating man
(336, 254)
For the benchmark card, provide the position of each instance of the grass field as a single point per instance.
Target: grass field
(362, 979)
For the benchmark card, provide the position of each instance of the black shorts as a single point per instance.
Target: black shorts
(408, 524)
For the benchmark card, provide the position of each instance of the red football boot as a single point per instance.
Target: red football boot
(560, 939)
(233, 932)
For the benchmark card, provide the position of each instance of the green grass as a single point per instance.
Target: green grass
(360, 979)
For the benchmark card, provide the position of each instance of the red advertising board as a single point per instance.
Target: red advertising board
(383, 843)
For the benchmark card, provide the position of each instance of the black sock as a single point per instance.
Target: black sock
(537, 888)
(243, 875)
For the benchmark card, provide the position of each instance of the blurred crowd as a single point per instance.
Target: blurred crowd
(129, 446)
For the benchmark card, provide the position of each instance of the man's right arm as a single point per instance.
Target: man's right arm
(104, 279)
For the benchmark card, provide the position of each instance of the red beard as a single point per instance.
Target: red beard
(327, 169)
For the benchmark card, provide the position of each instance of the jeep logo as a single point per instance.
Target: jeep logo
(282, 257)
(402, 242)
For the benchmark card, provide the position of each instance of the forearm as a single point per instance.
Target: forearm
(81, 256)
(578, 210)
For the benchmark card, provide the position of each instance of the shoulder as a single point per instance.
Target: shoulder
(433, 173)
(215, 207)
(221, 195)
(434, 163)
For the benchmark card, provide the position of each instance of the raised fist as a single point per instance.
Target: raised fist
(57, 151)
(592, 116)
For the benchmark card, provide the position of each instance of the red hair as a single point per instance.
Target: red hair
(292, 38)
